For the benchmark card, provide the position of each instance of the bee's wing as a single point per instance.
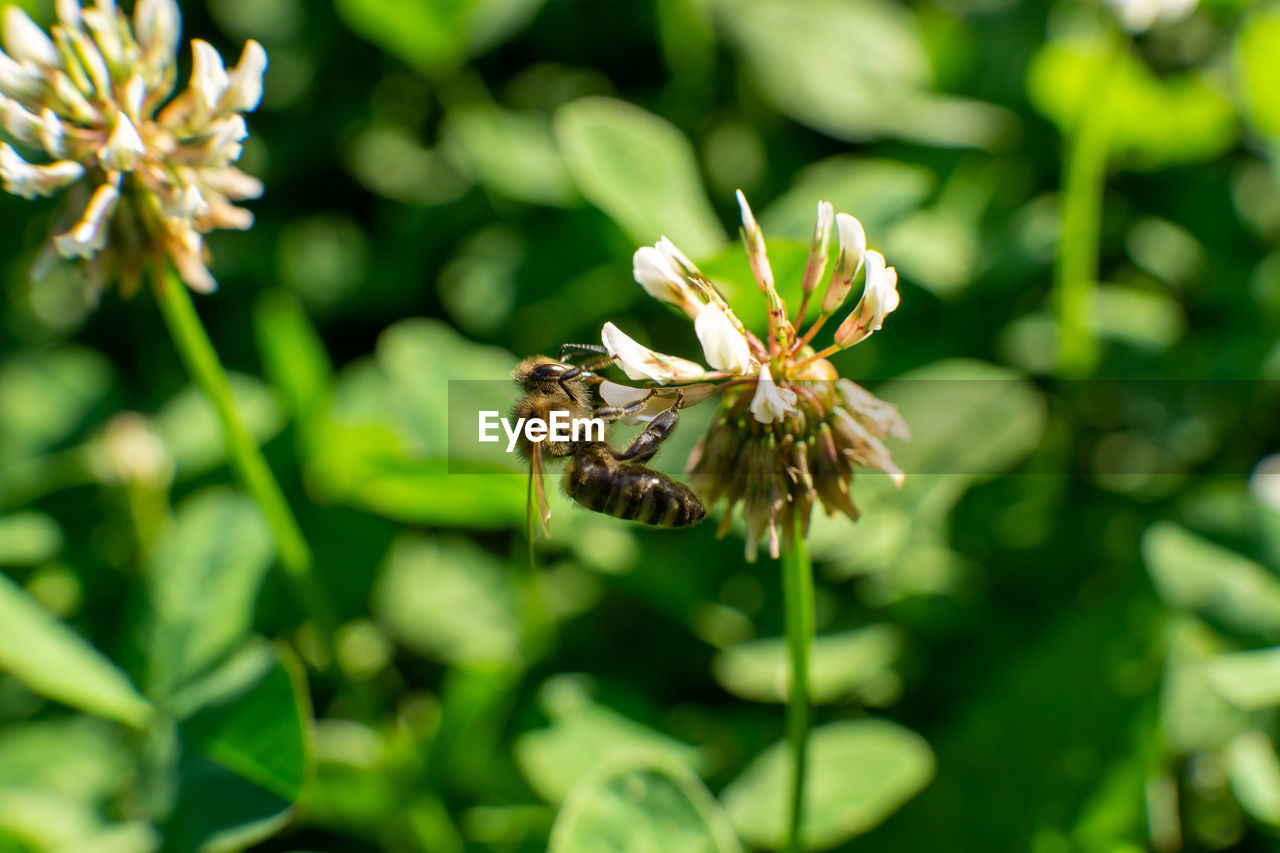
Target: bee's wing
(538, 491)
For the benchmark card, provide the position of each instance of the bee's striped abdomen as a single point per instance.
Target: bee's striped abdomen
(607, 485)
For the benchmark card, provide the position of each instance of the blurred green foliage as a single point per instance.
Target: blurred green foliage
(1059, 635)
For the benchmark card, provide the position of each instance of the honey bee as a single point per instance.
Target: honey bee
(597, 475)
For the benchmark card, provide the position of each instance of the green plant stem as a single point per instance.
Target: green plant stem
(206, 370)
(797, 595)
(1083, 183)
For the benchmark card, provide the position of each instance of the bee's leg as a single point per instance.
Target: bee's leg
(580, 348)
(584, 370)
(610, 414)
(646, 443)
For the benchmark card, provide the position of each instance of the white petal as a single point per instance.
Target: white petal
(816, 264)
(24, 40)
(17, 80)
(89, 235)
(224, 146)
(19, 122)
(870, 452)
(722, 344)
(69, 13)
(188, 204)
(187, 252)
(123, 148)
(663, 271)
(640, 362)
(52, 134)
(245, 91)
(770, 402)
(1264, 481)
(157, 25)
(881, 292)
(209, 78)
(616, 394)
(135, 93)
(22, 178)
(853, 245)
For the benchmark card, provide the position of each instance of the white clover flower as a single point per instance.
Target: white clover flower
(88, 109)
(790, 431)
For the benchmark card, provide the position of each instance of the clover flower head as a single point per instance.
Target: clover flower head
(789, 431)
(90, 112)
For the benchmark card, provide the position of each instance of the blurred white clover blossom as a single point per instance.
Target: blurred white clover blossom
(789, 430)
(1140, 15)
(146, 175)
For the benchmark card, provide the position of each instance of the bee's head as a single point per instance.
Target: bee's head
(539, 372)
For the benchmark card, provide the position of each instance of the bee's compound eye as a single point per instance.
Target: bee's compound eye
(548, 372)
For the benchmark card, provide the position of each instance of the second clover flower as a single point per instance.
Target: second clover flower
(145, 175)
(789, 430)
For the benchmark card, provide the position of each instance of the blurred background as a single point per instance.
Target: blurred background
(1057, 638)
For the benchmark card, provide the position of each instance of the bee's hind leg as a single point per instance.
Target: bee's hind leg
(646, 444)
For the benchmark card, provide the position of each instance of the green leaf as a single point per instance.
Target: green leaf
(849, 664)
(510, 153)
(203, 577)
(55, 661)
(859, 772)
(584, 736)
(1249, 680)
(247, 751)
(645, 807)
(293, 355)
(28, 539)
(1254, 772)
(46, 396)
(451, 601)
(189, 426)
(41, 822)
(854, 69)
(1155, 122)
(1194, 716)
(1194, 574)
(877, 192)
(640, 170)
(1257, 55)
(427, 36)
(76, 757)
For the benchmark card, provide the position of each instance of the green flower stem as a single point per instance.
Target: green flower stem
(197, 352)
(797, 595)
(1083, 182)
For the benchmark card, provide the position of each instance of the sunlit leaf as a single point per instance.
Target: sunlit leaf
(584, 736)
(76, 757)
(55, 661)
(28, 538)
(859, 772)
(654, 807)
(1250, 680)
(246, 752)
(45, 397)
(1154, 121)
(1254, 772)
(42, 822)
(203, 577)
(1194, 574)
(877, 192)
(640, 170)
(513, 154)
(1257, 55)
(854, 70)
(451, 601)
(851, 663)
(1194, 716)
(191, 431)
